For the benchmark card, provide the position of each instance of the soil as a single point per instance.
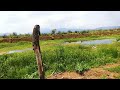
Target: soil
(94, 73)
(1, 53)
(60, 36)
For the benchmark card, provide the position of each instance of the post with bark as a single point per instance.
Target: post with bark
(37, 50)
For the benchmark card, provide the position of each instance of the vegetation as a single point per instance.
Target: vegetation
(69, 31)
(58, 57)
(115, 69)
(54, 31)
(59, 32)
(118, 39)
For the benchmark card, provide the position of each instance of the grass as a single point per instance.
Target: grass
(1, 38)
(61, 58)
(17, 65)
(115, 69)
(56, 57)
(103, 77)
(118, 39)
(4, 47)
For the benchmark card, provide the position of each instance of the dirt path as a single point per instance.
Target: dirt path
(94, 73)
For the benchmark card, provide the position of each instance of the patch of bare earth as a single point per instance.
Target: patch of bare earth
(1, 53)
(94, 73)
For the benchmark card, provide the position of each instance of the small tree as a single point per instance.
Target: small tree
(53, 31)
(64, 32)
(84, 32)
(4, 36)
(59, 32)
(69, 31)
(14, 34)
(27, 35)
(76, 31)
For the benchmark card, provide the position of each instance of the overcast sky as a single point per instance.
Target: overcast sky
(24, 21)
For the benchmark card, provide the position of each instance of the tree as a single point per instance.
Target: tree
(84, 32)
(14, 34)
(76, 31)
(59, 32)
(53, 31)
(69, 31)
(4, 36)
(27, 34)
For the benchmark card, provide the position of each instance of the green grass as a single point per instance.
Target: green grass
(1, 38)
(17, 65)
(115, 69)
(61, 58)
(118, 39)
(56, 57)
(4, 47)
(103, 77)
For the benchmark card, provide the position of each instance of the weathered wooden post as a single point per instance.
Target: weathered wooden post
(37, 50)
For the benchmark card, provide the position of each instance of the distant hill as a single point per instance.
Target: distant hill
(71, 29)
(109, 27)
(48, 30)
(1, 34)
(59, 29)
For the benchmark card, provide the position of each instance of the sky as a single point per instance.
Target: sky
(24, 21)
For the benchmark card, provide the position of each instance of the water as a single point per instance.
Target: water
(104, 41)
(14, 51)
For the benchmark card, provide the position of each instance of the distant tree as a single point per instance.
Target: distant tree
(54, 31)
(59, 32)
(69, 31)
(21, 35)
(83, 32)
(14, 34)
(4, 36)
(27, 34)
(76, 31)
(43, 33)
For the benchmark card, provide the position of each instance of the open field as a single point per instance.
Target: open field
(59, 57)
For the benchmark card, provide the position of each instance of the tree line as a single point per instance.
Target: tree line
(54, 32)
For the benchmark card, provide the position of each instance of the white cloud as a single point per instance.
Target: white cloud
(24, 21)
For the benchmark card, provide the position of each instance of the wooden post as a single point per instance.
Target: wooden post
(37, 50)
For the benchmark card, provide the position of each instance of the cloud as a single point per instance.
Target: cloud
(24, 21)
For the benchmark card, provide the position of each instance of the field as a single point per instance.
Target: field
(61, 59)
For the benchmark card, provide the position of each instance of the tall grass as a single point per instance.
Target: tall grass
(17, 65)
(57, 58)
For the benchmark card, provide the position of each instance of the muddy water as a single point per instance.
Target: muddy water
(14, 51)
(103, 41)
(19, 50)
